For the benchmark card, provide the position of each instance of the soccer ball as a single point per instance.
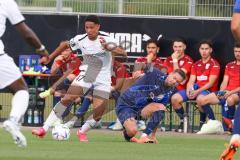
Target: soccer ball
(60, 132)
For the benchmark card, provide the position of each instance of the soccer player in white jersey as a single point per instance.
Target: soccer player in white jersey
(96, 48)
(11, 76)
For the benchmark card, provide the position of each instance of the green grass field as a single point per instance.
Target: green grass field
(104, 145)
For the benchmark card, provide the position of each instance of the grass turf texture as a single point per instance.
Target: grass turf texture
(110, 145)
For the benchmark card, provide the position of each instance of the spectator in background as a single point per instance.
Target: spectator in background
(11, 76)
(179, 60)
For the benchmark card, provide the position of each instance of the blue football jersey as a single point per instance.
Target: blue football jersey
(237, 6)
(149, 88)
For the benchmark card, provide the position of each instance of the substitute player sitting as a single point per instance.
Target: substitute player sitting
(229, 89)
(203, 80)
(179, 59)
(152, 49)
(60, 66)
(147, 98)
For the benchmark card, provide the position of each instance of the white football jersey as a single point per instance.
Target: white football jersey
(94, 55)
(8, 10)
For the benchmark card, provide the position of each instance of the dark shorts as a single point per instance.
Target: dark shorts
(125, 111)
(183, 94)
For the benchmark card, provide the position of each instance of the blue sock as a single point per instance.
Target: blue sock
(84, 107)
(203, 117)
(236, 125)
(231, 111)
(56, 99)
(224, 113)
(180, 113)
(224, 107)
(209, 112)
(154, 121)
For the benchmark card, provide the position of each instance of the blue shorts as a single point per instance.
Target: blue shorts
(236, 8)
(125, 111)
(183, 94)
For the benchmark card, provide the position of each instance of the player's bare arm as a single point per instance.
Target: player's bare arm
(190, 83)
(62, 46)
(229, 93)
(224, 83)
(235, 25)
(212, 80)
(31, 38)
(55, 67)
(175, 56)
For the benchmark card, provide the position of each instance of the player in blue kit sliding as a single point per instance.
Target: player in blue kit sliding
(147, 98)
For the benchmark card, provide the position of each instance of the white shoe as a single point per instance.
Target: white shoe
(212, 127)
(117, 126)
(141, 125)
(17, 136)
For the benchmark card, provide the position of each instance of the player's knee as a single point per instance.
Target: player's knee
(97, 117)
(230, 101)
(175, 101)
(201, 101)
(66, 100)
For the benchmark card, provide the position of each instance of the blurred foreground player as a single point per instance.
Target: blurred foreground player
(230, 151)
(11, 76)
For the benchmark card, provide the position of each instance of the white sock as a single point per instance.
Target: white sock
(54, 116)
(19, 105)
(71, 122)
(88, 125)
(235, 137)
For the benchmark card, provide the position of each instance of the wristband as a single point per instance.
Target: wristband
(42, 48)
